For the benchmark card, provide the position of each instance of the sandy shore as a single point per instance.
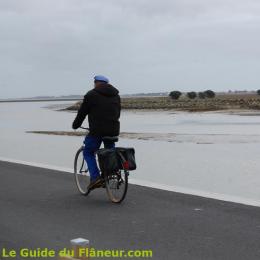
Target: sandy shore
(171, 137)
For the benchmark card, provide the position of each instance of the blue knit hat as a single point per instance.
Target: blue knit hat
(101, 78)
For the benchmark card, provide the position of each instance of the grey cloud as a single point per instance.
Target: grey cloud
(55, 47)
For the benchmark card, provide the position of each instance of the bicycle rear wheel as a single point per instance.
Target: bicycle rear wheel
(116, 185)
(81, 172)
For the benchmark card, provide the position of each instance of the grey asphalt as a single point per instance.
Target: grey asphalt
(42, 208)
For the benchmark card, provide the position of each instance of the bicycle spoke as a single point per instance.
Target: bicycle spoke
(117, 186)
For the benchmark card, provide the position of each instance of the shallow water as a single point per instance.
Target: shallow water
(211, 154)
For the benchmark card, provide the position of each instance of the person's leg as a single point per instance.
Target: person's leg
(109, 144)
(92, 144)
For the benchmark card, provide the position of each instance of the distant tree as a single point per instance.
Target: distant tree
(209, 94)
(201, 95)
(191, 95)
(258, 92)
(175, 94)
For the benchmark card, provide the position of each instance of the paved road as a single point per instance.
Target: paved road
(41, 208)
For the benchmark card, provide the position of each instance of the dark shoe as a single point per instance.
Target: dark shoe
(97, 183)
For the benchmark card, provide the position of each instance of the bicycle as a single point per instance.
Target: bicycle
(116, 183)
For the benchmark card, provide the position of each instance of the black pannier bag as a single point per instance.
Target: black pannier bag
(114, 159)
(126, 158)
(108, 160)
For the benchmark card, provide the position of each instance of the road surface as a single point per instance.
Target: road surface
(42, 208)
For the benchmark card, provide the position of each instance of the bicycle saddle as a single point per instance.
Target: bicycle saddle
(110, 138)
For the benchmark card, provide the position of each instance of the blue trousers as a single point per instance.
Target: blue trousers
(92, 144)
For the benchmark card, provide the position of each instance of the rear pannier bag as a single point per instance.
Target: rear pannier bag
(108, 160)
(127, 156)
(112, 160)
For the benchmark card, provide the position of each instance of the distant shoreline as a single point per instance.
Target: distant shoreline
(218, 103)
(39, 100)
(241, 101)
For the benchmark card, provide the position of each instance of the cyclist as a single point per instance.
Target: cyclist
(102, 105)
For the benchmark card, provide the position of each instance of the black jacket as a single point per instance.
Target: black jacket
(102, 105)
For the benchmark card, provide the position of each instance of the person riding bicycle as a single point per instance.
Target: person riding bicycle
(102, 104)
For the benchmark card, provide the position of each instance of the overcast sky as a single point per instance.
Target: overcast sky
(55, 47)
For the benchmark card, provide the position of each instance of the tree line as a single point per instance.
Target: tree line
(192, 95)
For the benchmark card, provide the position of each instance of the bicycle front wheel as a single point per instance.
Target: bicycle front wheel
(81, 172)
